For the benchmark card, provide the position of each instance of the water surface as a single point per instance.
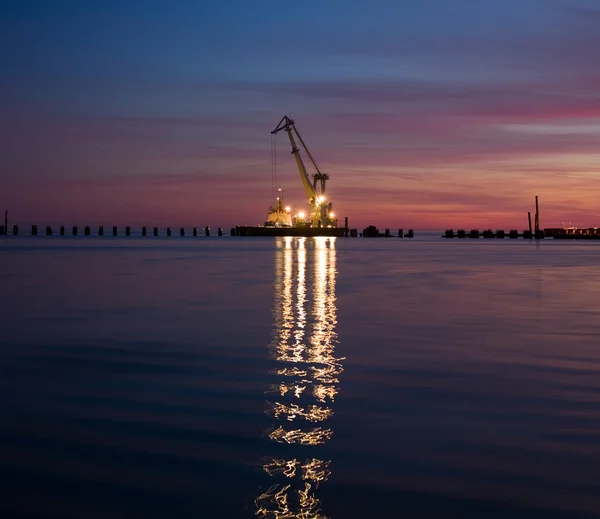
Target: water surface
(243, 377)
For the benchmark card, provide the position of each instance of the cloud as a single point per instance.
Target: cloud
(457, 124)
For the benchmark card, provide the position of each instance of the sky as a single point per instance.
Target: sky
(426, 114)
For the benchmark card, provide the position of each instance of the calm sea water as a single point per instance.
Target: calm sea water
(279, 378)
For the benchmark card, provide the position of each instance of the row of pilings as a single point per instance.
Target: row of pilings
(370, 231)
(87, 231)
(488, 233)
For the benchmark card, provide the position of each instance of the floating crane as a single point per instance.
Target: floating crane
(321, 214)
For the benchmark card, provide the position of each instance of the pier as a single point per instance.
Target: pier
(557, 233)
(243, 231)
(117, 231)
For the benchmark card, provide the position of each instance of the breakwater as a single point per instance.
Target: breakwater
(369, 232)
(588, 233)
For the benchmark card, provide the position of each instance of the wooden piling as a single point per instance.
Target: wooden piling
(529, 218)
(156, 231)
(539, 234)
(101, 230)
(74, 230)
(182, 232)
(168, 231)
(232, 232)
(400, 233)
(48, 230)
(346, 230)
(34, 230)
(144, 231)
(537, 217)
(87, 231)
(2, 230)
(207, 231)
(62, 230)
(15, 230)
(411, 234)
(219, 232)
(128, 231)
(115, 230)
(195, 231)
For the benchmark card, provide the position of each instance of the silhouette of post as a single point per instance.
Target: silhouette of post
(87, 230)
(6, 221)
(128, 231)
(144, 231)
(34, 230)
(168, 231)
(48, 230)
(101, 230)
(207, 231)
(400, 233)
(15, 230)
(62, 230)
(182, 232)
(156, 231)
(195, 231)
(529, 218)
(74, 230)
(115, 230)
(538, 234)
(219, 232)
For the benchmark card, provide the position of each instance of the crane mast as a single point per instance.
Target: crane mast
(320, 210)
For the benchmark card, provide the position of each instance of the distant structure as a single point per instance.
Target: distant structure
(321, 210)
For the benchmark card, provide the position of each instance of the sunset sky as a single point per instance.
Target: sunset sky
(427, 114)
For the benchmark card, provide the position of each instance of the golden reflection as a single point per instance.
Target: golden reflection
(312, 413)
(313, 436)
(307, 372)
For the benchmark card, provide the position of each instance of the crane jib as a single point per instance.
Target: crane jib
(310, 192)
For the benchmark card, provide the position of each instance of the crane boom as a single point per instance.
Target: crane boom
(287, 124)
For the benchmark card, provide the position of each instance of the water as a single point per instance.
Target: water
(232, 377)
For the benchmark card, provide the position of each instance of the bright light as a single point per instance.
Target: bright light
(301, 215)
(331, 215)
(288, 208)
(320, 199)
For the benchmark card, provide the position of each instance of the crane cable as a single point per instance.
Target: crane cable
(274, 165)
(272, 172)
(274, 176)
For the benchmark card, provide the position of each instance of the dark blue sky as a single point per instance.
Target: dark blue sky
(405, 103)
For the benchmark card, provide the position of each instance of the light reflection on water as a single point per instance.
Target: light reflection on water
(133, 377)
(303, 346)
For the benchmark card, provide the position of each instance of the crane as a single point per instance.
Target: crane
(321, 214)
